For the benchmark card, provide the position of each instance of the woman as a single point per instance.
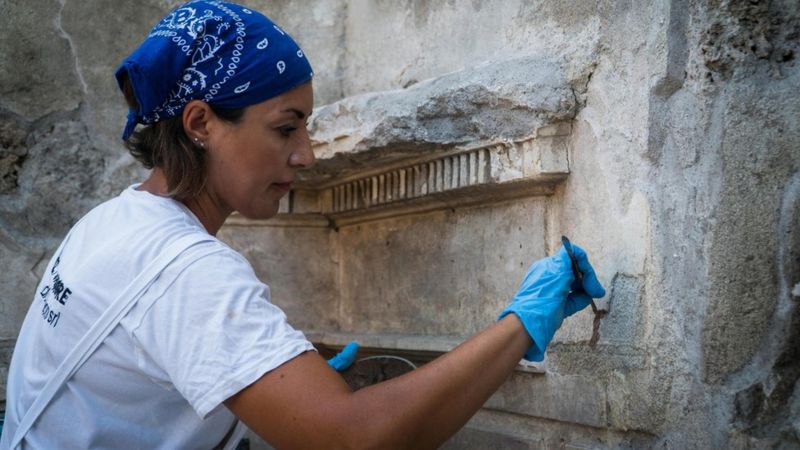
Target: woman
(223, 95)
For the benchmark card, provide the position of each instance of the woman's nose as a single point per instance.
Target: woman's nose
(303, 155)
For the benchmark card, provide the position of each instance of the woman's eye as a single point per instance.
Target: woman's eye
(287, 130)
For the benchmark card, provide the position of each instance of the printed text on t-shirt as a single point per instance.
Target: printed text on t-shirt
(60, 293)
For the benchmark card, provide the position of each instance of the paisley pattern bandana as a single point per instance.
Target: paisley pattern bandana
(218, 52)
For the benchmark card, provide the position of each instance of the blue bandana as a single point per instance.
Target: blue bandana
(218, 52)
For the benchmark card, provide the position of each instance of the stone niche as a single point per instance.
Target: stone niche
(421, 252)
(424, 211)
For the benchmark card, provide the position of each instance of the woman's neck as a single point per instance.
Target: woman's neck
(210, 212)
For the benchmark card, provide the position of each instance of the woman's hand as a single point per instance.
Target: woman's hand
(344, 358)
(549, 293)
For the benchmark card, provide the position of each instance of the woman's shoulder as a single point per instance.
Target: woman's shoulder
(129, 232)
(210, 262)
(203, 276)
(134, 210)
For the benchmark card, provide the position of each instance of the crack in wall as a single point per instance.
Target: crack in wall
(791, 198)
(65, 35)
(341, 68)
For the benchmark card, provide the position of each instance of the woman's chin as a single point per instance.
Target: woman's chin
(262, 212)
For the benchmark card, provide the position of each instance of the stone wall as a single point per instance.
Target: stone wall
(683, 183)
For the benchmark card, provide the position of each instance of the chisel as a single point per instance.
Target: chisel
(579, 276)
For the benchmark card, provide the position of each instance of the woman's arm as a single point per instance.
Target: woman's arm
(305, 404)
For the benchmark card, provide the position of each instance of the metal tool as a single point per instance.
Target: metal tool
(575, 269)
(579, 276)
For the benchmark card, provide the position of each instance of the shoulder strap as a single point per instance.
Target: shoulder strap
(103, 327)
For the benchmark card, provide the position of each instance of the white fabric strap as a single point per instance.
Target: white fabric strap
(236, 436)
(104, 325)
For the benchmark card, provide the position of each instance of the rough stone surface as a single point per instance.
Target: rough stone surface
(569, 398)
(745, 245)
(36, 60)
(489, 440)
(621, 326)
(13, 151)
(509, 100)
(683, 187)
(6, 349)
(61, 167)
(18, 279)
(495, 429)
(392, 45)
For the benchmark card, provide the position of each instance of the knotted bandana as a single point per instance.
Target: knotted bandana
(218, 52)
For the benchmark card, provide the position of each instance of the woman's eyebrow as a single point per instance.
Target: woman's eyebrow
(297, 112)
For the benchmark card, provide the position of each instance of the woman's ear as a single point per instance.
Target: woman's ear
(196, 118)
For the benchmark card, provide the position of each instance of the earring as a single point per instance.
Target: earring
(199, 142)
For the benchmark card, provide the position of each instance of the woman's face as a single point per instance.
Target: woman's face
(252, 163)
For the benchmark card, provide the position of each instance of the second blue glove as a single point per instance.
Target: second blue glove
(344, 358)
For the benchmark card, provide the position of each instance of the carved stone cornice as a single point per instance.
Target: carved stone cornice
(463, 176)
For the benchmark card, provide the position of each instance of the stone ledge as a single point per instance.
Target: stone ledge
(284, 220)
(539, 160)
(495, 101)
(418, 349)
(493, 132)
(498, 429)
(566, 398)
(464, 176)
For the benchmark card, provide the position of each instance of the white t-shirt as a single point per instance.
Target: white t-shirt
(202, 332)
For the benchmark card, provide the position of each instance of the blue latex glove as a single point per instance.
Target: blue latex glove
(549, 293)
(344, 358)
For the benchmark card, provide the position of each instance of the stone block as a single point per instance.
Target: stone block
(14, 131)
(393, 45)
(488, 428)
(57, 184)
(743, 270)
(37, 64)
(550, 155)
(637, 399)
(441, 273)
(508, 100)
(567, 398)
(742, 35)
(473, 438)
(621, 326)
(298, 266)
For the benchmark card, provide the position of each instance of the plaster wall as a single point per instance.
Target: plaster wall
(683, 186)
(414, 274)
